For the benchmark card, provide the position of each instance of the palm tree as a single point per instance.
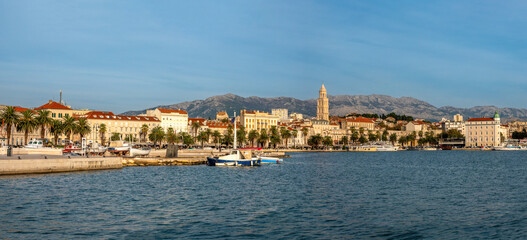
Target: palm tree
(144, 131)
(217, 136)
(102, 132)
(305, 131)
(241, 135)
(286, 134)
(208, 133)
(171, 136)
(43, 120)
(157, 135)
(56, 129)
(253, 135)
(202, 137)
(195, 127)
(393, 138)
(69, 126)
(263, 137)
(26, 123)
(344, 140)
(294, 134)
(82, 127)
(361, 131)
(327, 141)
(10, 118)
(355, 137)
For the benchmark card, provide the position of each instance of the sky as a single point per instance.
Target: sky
(132, 55)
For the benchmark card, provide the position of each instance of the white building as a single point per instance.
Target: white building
(483, 132)
(281, 113)
(171, 118)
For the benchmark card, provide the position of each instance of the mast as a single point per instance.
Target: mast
(235, 130)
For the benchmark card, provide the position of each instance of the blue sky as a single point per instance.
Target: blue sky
(131, 55)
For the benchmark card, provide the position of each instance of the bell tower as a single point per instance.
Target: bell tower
(322, 104)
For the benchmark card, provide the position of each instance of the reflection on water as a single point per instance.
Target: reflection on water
(444, 194)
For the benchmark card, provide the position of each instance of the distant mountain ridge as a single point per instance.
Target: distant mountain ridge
(338, 105)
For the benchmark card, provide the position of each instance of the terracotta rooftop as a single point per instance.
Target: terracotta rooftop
(52, 105)
(217, 125)
(110, 116)
(22, 109)
(360, 119)
(172, 111)
(480, 119)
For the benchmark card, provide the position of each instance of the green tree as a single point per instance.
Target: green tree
(56, 129)
(327, 141)
(216, 135)
(355, 137)
(275, 136)
(264, 137)
(69, 127)
(228, 138)
(102, 133)
(241, 135)
(208, 134)
(195, 126)
(157, 135)
(144, 131)
(253, 135)
(305, 131)
(402, 140)
(43, 120)
(314, 141)
(372, 137)
(187, 139)
(26, 124)
(115, 136)
(361, 131)
(171, 137)
(286, 135)
(393, 138)
(10, 119)
(294, 134)
(82, 128)
(202, 137)
(344, 140)
(362, 139)
(385, 135)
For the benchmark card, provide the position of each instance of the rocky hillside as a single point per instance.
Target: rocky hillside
(338, 105)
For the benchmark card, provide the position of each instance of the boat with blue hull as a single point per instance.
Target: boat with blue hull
(271, 160)
(235, 158)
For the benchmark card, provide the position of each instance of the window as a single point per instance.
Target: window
(60, 115)
(67, 115)
(53, 115)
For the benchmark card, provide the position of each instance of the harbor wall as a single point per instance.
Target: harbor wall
(51, 165)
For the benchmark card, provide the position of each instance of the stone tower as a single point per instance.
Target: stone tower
(323, 104)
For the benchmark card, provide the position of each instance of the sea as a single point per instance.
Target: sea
(324, 195)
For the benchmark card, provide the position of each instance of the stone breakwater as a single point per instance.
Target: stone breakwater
(136, 162)
(27, 164)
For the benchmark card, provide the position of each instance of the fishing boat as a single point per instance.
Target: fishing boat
(507, 148)
(96, 149)
(34, 143)
(71, 149)
(237, 157)
(139, 152)
(265, 159)
(119, 147)
(387, 148)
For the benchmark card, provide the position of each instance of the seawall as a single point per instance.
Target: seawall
(39, 164)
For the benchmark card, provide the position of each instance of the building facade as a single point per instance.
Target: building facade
(171, 118)
(256, 120)
(483, 132)
(120, 124)
(281, 113)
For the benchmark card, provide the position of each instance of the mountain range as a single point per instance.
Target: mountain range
(340, 105)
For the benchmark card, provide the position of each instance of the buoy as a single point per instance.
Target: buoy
(277, 161)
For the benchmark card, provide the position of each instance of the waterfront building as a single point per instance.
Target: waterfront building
(171, 118)
(296, 116)
(415, 126)
(281, 113)
(217, 126)
(457, 124)
(17, 137)
(322, 104)
(222, 115)
(60, 111)
(256, 120)
(458, 118)
(483, 132)
(358, 122)
(123, 125)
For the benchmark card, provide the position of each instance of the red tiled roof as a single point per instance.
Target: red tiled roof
(201, 120)
(111, 116)
(217, 125)
(480, 119)
(360, 119)
(53, 105)
(222, 113)
(172, 111)
(22, 109)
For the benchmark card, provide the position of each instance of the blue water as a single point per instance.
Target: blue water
(383, 195)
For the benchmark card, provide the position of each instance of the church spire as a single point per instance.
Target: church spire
(322, 104)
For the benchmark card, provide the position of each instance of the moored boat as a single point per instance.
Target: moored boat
(235, 158)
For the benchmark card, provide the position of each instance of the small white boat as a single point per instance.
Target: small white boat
(139, 152)
(387, 148)
(270, 160)
(507, 148)
(235, 158)
(96, 149)
(429, 149)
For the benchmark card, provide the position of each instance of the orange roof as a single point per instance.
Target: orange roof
(222, 113)
(217, 125)
(22, 109)
(201, 120)
(111, 116)
(172, 111)
(480, 119)
(360, 119)
(53, 105)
